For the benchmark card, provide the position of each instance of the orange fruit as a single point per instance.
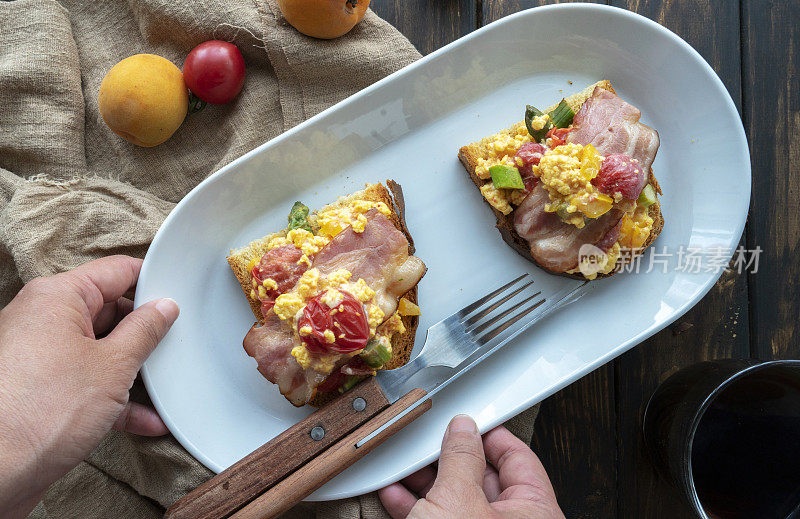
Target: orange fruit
(143, 99)
(323, 19)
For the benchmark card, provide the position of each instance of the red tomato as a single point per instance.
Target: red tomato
(530, 154)
(214, 71)
(559, 135)
(348, 324)
(530, 182)
(280, 265)
(620, 172)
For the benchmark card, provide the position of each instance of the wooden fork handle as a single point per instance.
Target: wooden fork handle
(231, 489)
(338, 457)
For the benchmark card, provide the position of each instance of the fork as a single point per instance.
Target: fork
(283, 471)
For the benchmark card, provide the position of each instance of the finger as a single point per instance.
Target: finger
(139, 419)
(397, 500)
(491, 484)
(420, 481)
(462, 458)
(104, 280)
(515, 462)
(111, 314)
(137, 335)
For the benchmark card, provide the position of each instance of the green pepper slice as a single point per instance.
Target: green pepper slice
(298, 217)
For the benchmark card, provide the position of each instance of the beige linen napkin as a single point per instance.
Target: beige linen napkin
(71, 190)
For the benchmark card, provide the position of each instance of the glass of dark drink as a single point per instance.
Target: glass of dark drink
(726, 434)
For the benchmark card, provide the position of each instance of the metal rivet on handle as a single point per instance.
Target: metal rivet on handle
(359, 404)
(317, 433)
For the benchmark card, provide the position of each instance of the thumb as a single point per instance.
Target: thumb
(462, 459)
(137, 335)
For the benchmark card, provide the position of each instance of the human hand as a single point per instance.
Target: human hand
(513, 485)
(61, 388)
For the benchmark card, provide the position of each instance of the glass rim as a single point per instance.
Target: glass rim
(701, 411)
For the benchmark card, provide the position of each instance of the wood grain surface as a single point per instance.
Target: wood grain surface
(589, 434)
(771, 56)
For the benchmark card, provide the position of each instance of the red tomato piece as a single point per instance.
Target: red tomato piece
(622, 173)
(347, 321)
(214, 71)
(530, 182)
(530, 154)
(558, 135)
(280, 265)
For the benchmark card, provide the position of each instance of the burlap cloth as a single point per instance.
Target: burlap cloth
(71, 191)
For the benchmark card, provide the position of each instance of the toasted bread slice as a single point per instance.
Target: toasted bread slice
(241, 261)
(469, 155)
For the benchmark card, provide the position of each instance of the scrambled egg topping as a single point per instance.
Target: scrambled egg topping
(567, 172)
(600, 264)
(498, 198)
(288, 305)
(392, 325)
(501, 151)
(374, 318)
(361, 291)
(332, 298)
(338, 277)
(330, 223)
(537, 123)
(308, 283)
(302, 239)
(333, 221)
(635, 228)
(322, 363)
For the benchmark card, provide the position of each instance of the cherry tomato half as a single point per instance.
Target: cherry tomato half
(348, 323)
(559, 135)
(214, 71)
(280, 265)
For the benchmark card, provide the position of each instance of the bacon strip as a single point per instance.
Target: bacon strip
(271, 345)
(611, 237)
(555, 244)
(380, 256)
(612, 126)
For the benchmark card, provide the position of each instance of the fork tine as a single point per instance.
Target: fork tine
(494, 306)
(491, 334)
(557, 300)
(481, 328)
(477, 304)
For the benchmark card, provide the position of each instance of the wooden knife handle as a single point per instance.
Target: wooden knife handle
(318, 471)
(234, 487)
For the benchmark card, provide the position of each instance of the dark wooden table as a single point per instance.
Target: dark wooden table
(589, 434)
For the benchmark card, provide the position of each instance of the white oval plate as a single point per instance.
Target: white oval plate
(409, 127)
